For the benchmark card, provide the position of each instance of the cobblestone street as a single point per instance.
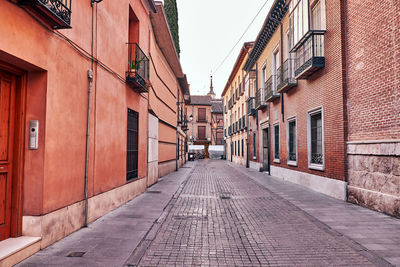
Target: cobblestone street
(213, 213)
(224, 219)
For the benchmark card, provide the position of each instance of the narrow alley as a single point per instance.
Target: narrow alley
(214, 213)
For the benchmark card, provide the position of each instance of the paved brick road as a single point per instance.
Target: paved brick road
(222, 218)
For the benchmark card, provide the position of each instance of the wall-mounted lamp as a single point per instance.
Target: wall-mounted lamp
(191, 117)
(95, 1)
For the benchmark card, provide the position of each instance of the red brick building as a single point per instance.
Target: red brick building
(300, 92)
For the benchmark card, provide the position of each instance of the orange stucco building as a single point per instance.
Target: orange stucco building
(90, 93)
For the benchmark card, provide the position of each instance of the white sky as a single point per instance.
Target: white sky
(208, 30)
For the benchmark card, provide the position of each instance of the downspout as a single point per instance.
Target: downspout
(90, 78)
(177, 134)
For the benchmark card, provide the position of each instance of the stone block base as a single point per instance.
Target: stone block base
(374, 200)
(331, 187)
(165, 168)
(374, 175)
(58, 224)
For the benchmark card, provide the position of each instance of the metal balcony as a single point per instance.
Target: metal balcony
(270, 89)
(251, 106)
(260, 98)
(285, 76)
(237, 94)
(241, 89)
(230, 103)
(309, 54)
(244, 122)
(56, 13)
(138, 68)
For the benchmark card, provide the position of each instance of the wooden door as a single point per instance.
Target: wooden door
(7, 112)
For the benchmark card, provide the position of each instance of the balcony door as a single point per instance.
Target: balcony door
(201, 132)
(7, 117)
(276, 63)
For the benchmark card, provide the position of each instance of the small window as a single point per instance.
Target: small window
(292, 142)
(254, 146)
(242, 149)
(276, 144)
(315, 140)
(238, 148)
(132, 145)
(235, 147)
(201, 114)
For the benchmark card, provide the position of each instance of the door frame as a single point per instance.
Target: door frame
(266, 132)
(18, 147)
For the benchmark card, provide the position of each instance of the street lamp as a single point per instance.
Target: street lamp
(191, 117)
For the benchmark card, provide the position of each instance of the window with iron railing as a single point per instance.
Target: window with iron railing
(56, 13)
(138, 68)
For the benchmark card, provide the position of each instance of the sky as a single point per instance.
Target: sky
(208, 30)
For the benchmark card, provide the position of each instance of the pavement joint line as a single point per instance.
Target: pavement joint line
(138, 253)
(370, 255)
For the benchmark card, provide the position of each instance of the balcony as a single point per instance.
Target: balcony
(260, 98)
(309, 54)
(234, 97)
(138, 68)
(240, 124)
(285, 76)
(229, 131)
(251, 106)
(241, 89)
(270, 89)
(230, 103)
(237, 94)
(56, 13)
(244, 122)
(237, 126)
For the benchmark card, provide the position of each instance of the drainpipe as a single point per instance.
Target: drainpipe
(90, 78)
(177, 134)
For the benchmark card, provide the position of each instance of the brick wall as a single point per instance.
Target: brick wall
(374, 69)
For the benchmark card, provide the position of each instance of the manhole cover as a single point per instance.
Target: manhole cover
(76, 254)
(154, 192)
(225, 197)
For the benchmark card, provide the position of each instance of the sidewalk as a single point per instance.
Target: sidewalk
(110, 240)
(374, 231)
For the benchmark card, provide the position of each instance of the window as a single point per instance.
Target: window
(275, 68)
(132, 139)
(315, 140)
(276, 144)
(201, 114)
(235, 147)
(201, 132)
(254, 146)
(292, 142)
(318, 16)
(238, 142)
(242, 149)
(299, 21)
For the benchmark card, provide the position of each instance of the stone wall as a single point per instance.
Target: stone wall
(374, 175)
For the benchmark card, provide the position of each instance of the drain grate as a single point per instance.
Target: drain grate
(178, 217)
(225, 197)
(76, 254)
(154, 192)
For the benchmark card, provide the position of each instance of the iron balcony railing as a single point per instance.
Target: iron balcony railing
(285, 75)
(241, 89)
(309, 54)
(251, 106)
(260, 98)
(270, 89)
(229, 131)
(240, 124)
(230, 103)
(56, 13)
(138, 68)
(237, 126)
(237, 93)
(244, 122)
